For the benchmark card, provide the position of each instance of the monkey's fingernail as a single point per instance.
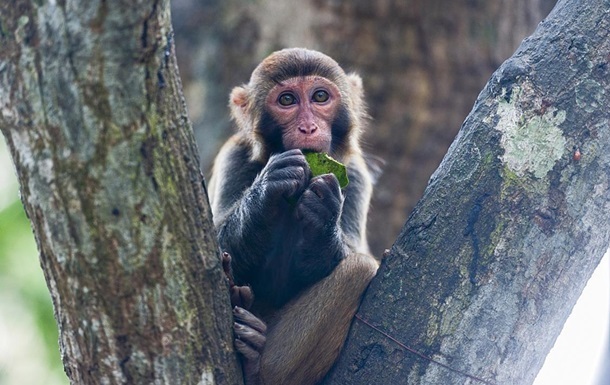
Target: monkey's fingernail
(237, 326)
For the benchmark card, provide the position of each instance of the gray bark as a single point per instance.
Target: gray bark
(511, 225)
(92, 110)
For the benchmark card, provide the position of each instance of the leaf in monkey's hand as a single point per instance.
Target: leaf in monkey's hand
(321, 163)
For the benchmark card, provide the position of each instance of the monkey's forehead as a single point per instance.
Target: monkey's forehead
(304, 80)
(297, 62)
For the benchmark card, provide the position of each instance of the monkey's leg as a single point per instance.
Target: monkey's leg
(249, 341)
(306, 336)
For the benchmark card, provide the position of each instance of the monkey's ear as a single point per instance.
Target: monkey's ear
(357, 108)
(355, 82)
(239, 104)
(239, 96)
(356, 91)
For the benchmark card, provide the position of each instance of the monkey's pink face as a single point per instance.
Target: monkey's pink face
(305, 108)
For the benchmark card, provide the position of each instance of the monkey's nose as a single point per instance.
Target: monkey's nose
(308, 128)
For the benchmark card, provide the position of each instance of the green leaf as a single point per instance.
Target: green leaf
(321, 163)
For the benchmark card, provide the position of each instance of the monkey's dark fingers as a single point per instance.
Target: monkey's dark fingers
(226, 267)
(286, 157)
(291, 173)
(320, 204)
(249, 353)
(235, 297)
(251, 362)
(292, 158)
(315, 214)
(244, 317)
(288, 182)
(247, 297)
(326, 186)
(253, 338)
(241, 296)
(286, 154)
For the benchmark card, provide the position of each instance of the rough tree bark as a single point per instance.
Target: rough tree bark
(510, 228)
(92, 110)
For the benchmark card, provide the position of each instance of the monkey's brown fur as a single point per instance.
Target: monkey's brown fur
(315, 324)
(305, 335)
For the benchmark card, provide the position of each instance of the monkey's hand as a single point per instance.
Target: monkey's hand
(241, 296)
(250, 338)
(247, 231)
(282, 180)
(321, 245)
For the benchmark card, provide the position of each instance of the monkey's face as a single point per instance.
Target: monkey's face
(303, 110)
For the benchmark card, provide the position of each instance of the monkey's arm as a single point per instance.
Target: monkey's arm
(320, 245)
(247, 200)
(232, 176)
(306, 336)
(356, 205)
(233, 173)
(330, 225)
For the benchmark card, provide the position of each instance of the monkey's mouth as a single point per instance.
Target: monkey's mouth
(316, 142)
(316, 146)
(310, 149)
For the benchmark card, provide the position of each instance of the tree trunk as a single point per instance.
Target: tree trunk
(513, 223)
(92, 110)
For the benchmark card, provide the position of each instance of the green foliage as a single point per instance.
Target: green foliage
(26, 312)
(19, 266)
(321, 163)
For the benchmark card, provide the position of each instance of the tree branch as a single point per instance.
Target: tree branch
(511, 226)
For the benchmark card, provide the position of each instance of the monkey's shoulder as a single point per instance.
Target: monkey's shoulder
(232, 173)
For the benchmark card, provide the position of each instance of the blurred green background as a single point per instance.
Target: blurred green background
(29, 351)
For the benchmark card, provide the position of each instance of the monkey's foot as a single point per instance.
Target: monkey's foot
(241, 296)
(250, 338)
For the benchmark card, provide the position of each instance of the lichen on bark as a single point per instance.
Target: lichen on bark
(531, 137)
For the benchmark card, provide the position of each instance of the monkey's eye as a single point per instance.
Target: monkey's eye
(320, 96)
(287, 99)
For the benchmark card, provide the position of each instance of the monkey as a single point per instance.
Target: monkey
(297, 241)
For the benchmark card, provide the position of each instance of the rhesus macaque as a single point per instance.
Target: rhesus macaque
(298, 241)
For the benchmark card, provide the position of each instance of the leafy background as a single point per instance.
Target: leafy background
(29, 352)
